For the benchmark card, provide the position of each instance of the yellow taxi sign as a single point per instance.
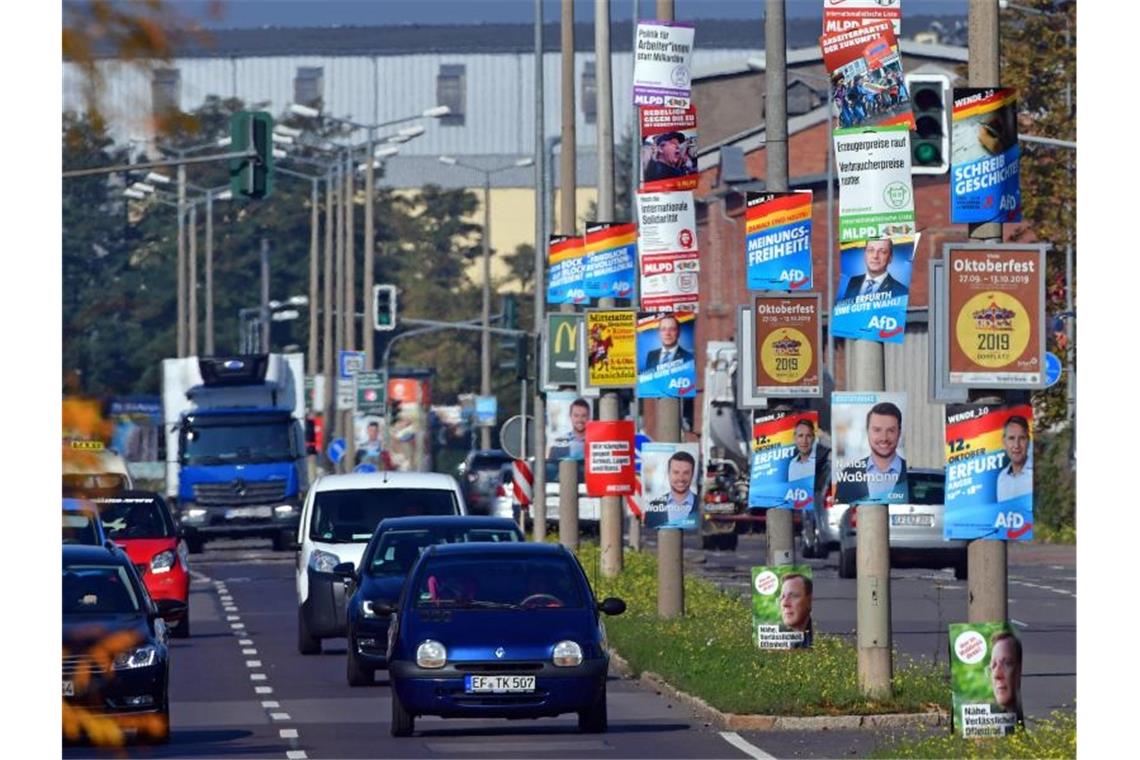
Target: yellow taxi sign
(87, 445)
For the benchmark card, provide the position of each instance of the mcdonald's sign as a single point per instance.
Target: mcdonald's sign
(560, 352)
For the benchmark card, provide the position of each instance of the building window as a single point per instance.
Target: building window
(590, 92)
(309, 86)
(451, 91)
(166, 91)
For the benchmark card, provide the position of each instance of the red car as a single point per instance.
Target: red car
(140, 523)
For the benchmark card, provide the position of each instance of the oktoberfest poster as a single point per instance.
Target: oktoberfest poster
(668, 149)
(985, 178)
(783, 460)
(787, 354)
(985, 679)
(868, 454)
(565, 270)
(874, 287)
(666, 354)
(989, 472)
(876, 196)
(781, 607)
(841, 15)
(778, 241)
(611, 338)
(867, 80)
(670, 479)
(609, 458)
(610, 260)
(662, 64)
(667, 248)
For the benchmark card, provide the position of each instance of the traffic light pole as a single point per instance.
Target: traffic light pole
(538, 498)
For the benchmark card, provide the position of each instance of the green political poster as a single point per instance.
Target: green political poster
(781, 607)
(985, 678)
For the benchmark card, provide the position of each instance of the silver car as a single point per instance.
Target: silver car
(821, 523)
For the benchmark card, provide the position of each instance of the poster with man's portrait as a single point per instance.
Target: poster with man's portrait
(869, 458)
(567, 415)
(874, 289)
(781, 607)
(985, 679)
(670, 485)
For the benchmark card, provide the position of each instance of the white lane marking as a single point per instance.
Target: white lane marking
(1061, 591)
(249, 651)
(288, 733)
(229, 608)
(237, 626)
(1017, 622)
(270, 703)
(226, 599)
(739, 742)
(246, 642)
(296, 754)
(253, 663)
(280, 716)
(263, 689)
(233, 617)
(257, 677)
(200, 577)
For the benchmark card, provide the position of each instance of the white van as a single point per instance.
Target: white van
(339, 516)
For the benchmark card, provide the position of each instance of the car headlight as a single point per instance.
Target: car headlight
(283, 509)
(140, 657)
(431, 654)
(368, 610)
(162, 562)
(567, 654)
(193, 514)
(323, 562)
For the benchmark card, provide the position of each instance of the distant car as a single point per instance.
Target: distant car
(821, 522)
(915, 529)
(394, 548)
(114, 645)
(507, 630)
(81, 523)
(141, 524)
(589, 507)
(90, 467)
(503, 504)
(480, 473)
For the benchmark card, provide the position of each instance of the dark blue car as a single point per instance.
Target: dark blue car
(390, 554)
(499, 631)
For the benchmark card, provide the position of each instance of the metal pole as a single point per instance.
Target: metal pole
(568, 220)
(485, 343)
(192, 282)
(633, 524)
(538, 514)
(1070, 379)
(367, 330)
(327, 306)
(314, 273)
(349, 427)
(265, 295)
(209, 350)
(181, 316)
(522, 446)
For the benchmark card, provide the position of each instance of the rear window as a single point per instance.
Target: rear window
(399, 549)
(142, 517)
(98, 590)
(926, 489)
(103, 481)
(79, 529)
(489, 462)
(498, 583)
(351, 516)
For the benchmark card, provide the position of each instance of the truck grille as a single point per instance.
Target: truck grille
(238, 492)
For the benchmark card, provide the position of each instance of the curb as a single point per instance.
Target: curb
(735, 722)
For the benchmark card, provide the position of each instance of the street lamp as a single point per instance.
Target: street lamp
(485, 381)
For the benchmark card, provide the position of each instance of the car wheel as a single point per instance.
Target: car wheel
(403, 722)
(593, 720)
(708, 543)
(285, 540)
(358, 675)
(194, 545)
(962, 571)
(182, 630)
(809, 548)
(847, 562)
(728, 541)
(306, 642)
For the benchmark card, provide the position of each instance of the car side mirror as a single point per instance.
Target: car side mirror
(383, 608)
(612, 605)
(169, 610)
(345, 570)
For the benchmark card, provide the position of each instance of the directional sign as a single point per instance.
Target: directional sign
(350, 363)
(345, 394)
(336, 450)
(371, 391)
(365, 467)
(486, 408)
(1052, 369)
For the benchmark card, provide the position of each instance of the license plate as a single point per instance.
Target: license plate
(923, 521)
(498, 684)
(69, 688)
(240, 512)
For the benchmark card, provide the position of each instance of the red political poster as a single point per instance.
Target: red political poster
(609, 458)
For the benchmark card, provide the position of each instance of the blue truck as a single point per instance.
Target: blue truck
(235, 446)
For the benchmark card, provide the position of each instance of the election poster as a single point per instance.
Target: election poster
(611, 260)
(787, 353)
(670, 480)
(783, 462)
(565, 270)
(841, 15)
(560, 350)
(667, 248)
(777, 241)
(874, 287)
(611, 346)
(609, 458)
(666, 354)
(668, 149)
(567, 415)
(985, 174)
(868, 456)
(876, 197)
(985, 679)
(662, 64)
(781, 607)
(989, 472)
(867, 82)
(996, 303)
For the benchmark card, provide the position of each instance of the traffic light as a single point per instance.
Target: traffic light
(510, 311)
(252, 176)
(384, 307)
(518, 348)
(930, 140)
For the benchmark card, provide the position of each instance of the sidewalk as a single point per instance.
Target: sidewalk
(1042, 554)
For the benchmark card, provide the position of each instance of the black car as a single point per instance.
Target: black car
(480, 476)
(393, 549)
(115, 662)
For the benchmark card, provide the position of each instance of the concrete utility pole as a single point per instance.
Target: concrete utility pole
(209, 350)
(987, 560)
(538, 514)
(633, 523)
(327, 360)
(192, 284)
(314, 272)
(265, 295)
(367, 330)
(348, 429)
(338, 418)
(181, 317)
(485, 337)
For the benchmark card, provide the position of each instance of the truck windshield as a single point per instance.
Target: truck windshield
(248, 443)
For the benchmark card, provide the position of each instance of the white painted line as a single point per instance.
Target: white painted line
(296, 754)
(263, 689)
(288, 733)
(226, 599)
(739, 742)
(253, 663)
(280, 716)
(257, 677)
(249, 651)
(246, 642)
(233, 617)
(237, 626)
(270, 703)
(1018, 623)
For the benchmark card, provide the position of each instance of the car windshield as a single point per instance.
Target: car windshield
(498, 582)
(249, 443)
(399, 549)
(98, 590)
(351, 515)
(79, 528)
(88, 482)
(491, 463)
(926, 488)
(135, 517)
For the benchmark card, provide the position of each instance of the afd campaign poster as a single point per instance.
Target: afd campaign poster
(611, 260)
(867, 83)
(666, 354)
(668, 149)
(662, 64)
(985, 173)
(876, 196)
(611, 348)
(841, 15)
(668, 252)
(781, 607)
(989, 472)
(609, 458)
(783, 460)
(868, 457)
(777, 242)
(985, 679)
(565, 270)
(670, 479)
(874, 287)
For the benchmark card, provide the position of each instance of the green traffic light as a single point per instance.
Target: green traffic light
(926, 153)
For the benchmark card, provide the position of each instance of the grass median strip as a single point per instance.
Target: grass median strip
(1055, 737)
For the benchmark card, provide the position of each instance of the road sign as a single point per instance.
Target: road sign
(336, 450)
(371, 391)
(522, 481)
(365, 467)
(350, 362)
(1052, 369)
(486, 410)
(315, 393)
(345, 394)
(510, 433)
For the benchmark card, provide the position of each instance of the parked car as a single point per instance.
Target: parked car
(821, 522)
(480, 473)
(393, 549)
(339, 516)
(81, 523)
(915, 529)
(498, 630)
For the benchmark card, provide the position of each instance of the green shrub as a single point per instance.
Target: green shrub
(1052, 738)
(1055, 488)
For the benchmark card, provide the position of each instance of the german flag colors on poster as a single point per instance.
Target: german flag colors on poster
(874, 288)
(782, 472)
(611, 260)
(609, 458)
(611, 345)
(989, 472)
(778, 241)
(985, 157)
(565, 270)
(666, 354)
(985, 679)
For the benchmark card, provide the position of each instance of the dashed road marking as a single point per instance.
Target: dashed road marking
(263, 689)
(296, 754)
(233, 617)
(245, 642)
(270, 703)
(280, 716)
(257, 677)
(288, 733)
(253, 663)
(744, 746)
(237, 626)
(1018, 623)
(249, 651)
